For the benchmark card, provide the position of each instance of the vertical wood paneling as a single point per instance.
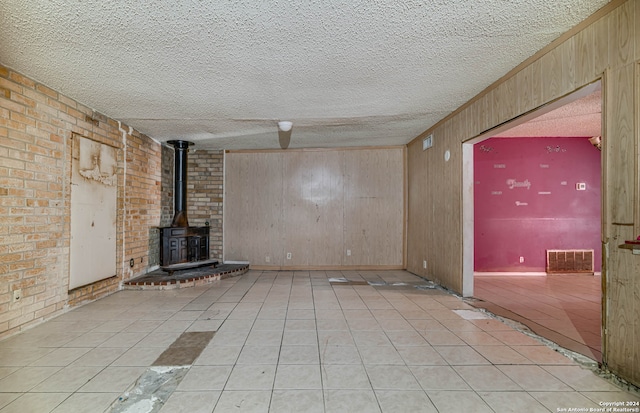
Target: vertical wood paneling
(585, 60)
(536, 83)
(601, 44)
(313, 208)
(636, 30)
(417, 209)
(312, 204)
(620, 146)
(253, 207)
(374, 206)
(568, 52)
(551, 75)
(621, 39)
(523, 90)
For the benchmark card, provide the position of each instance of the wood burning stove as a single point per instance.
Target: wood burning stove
(182, 246)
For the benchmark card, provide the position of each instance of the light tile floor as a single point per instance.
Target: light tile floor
(293, 342)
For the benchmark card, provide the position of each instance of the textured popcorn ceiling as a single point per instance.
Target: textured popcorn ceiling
(222, 73)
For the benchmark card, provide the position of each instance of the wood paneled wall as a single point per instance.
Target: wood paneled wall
(315, 205)
(606, 46)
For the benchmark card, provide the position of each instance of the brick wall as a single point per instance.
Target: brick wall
(204, 194)
(37, 125)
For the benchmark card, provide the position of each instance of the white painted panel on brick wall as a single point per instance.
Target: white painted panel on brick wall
(93, 212)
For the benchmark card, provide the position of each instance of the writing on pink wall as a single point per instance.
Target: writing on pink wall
(532, 195)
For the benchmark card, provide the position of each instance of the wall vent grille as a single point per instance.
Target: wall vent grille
(569, 261)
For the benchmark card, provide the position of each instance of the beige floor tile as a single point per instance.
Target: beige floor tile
(395, 401)
(294, 313)
(461, 355)
(113, 380)
(345, 377)
(458, 401)
(298, 377)
(67, 380)
(191, 402)
(123, 339)
(340, 355)
(229, 338)
(265, 338)
(139, 356)
(143, 326)
(87, 403)
(380, 355)
(486, 378)
(205, 378)
(61, 357)
(442, 338)
(326, 312)
(421, 356)
(218, 355)
(501, 354)
(515, 338)
(534, 378)
(543, 355)
(35, 402)
(163, 340)
(173, 325)
(611, 396)
(300, 338)
(389, 324)
(243, 401)
(300, 325)
(478, 338)
(438, 378)
(580, 379)
(100, 357)
(267, 324)
(335, 338)
(370, 338)
(259, 355)
(385, 377)
(26, 378)
(512, 402)
(299, 355)
(251, 377)
(406, 338)
(5, 371)
(363, 324)
(297, 401)
(555, 401)
(90, 339)
(6, 398)
(352, 401)
(332, 324)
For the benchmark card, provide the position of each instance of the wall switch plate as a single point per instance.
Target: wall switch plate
(288, 255)
(424, 264)
(521, 260)
(17, 295)
(267, 258)
(348, 253)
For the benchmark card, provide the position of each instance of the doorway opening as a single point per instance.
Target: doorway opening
(532, 186)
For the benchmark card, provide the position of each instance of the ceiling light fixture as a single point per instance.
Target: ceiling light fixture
(285, 125)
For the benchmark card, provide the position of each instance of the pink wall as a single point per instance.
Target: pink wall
(526, 201)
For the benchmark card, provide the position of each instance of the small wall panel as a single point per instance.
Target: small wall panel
(313, 208)
(374, 206)
(253, 208)
(620, 151)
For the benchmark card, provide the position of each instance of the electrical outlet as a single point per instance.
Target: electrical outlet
(17, 295)
(348, 253)
(288, 255)
(521, 260)
(267, 258)
(424, 264)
